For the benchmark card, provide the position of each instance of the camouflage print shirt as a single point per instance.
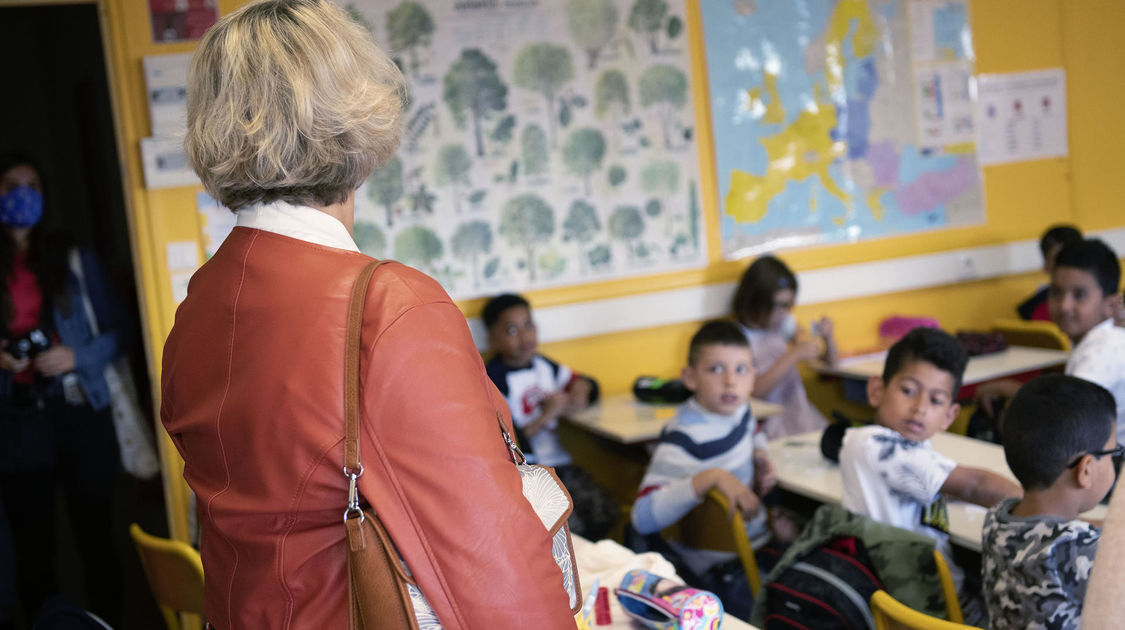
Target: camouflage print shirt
(1035, 569)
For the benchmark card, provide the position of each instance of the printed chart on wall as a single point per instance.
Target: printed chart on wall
(840, 120)
(548, 143)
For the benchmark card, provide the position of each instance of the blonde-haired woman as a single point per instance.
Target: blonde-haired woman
(290, 107)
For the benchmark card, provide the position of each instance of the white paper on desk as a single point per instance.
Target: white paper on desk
(1021, 116)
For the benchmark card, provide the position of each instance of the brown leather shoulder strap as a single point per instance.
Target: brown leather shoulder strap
(351, 367)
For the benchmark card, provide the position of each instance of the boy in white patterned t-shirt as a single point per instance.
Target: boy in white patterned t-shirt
(1083, 299)
(890, 471)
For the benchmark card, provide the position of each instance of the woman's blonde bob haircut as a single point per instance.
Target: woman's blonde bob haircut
(290, 100)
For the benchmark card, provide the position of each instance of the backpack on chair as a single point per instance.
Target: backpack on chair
(827, 588)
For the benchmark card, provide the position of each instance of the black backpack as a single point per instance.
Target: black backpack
(828, 588)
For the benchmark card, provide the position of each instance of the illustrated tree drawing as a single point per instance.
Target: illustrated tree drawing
(581, 226)
(583, 153)
(533, 145)
(544, 68)
(369, 238)
(646, 17)
(452, 169)
(409, 26)
(527, 221)
(470, 242)
(611, 98)
(617, 175)
(660, 178)
(422, 200)
(473, 90)
(418, 247)
(627, 224)
(664, 88)
(593, 24)
(502, 132)
(384, 187)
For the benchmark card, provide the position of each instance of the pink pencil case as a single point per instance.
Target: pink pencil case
(663, 604)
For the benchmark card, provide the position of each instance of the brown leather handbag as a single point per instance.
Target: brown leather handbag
(380, 591)
(378, 595)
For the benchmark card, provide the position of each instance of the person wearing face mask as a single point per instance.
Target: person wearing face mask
(762, 306)
(56, 426)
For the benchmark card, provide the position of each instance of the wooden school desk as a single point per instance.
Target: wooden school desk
(610, 441)
(989, 367)
(802, 469)
(624, 419)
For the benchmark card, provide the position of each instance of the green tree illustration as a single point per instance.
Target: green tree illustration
(471, 241)
(593, 24)
(472, 85)
(502, 132)
(581, 226)
(409, 25)
(660, 177)
(422, 200)
(627, 224)
(544, 68)
(369, 238)
(611, 98)
(452, 169)
(617, 175)
(583, 153)
(674, 27)
(647, 18)
(418, 247)
(384, 187)
(611, 94)
(664, 88)
(533, 145)
(527, 221)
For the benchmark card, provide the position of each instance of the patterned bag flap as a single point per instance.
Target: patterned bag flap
(552, 503)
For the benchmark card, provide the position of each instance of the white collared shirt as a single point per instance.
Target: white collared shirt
(300, 222)
(1100, 358)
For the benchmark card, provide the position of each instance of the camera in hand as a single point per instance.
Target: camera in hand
(28, 345)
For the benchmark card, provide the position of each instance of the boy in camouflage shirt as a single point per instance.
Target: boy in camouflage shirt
(1060, 442)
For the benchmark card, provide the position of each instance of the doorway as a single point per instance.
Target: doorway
(56, 108)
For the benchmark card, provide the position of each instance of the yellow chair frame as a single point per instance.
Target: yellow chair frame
(948, 589)
(711, 525)
(1035, 334)
(890, 614)
(175, 576)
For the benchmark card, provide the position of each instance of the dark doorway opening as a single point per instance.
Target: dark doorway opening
(56, 107)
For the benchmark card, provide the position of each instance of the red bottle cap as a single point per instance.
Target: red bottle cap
(601, 607)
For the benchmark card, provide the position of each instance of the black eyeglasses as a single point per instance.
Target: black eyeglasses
(1116, 452)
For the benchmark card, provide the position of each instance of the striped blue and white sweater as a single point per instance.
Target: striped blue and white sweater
(694, 441)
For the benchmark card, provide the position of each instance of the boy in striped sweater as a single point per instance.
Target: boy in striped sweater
(711, 443)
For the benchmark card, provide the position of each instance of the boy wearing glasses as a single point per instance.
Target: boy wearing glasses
(1060, 442)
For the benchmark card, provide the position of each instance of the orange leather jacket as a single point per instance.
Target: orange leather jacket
(253, 382)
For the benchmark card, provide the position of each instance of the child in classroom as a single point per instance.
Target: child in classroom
(1060, 443)
(712, 442)
(1034, 308)
(762, 306)
(890, 471)
(1085, 303)
(540, 391)
(1084, 298)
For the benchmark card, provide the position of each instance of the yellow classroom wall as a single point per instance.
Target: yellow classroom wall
(1009, 35)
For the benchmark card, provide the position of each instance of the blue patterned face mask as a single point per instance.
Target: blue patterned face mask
(22, 207)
